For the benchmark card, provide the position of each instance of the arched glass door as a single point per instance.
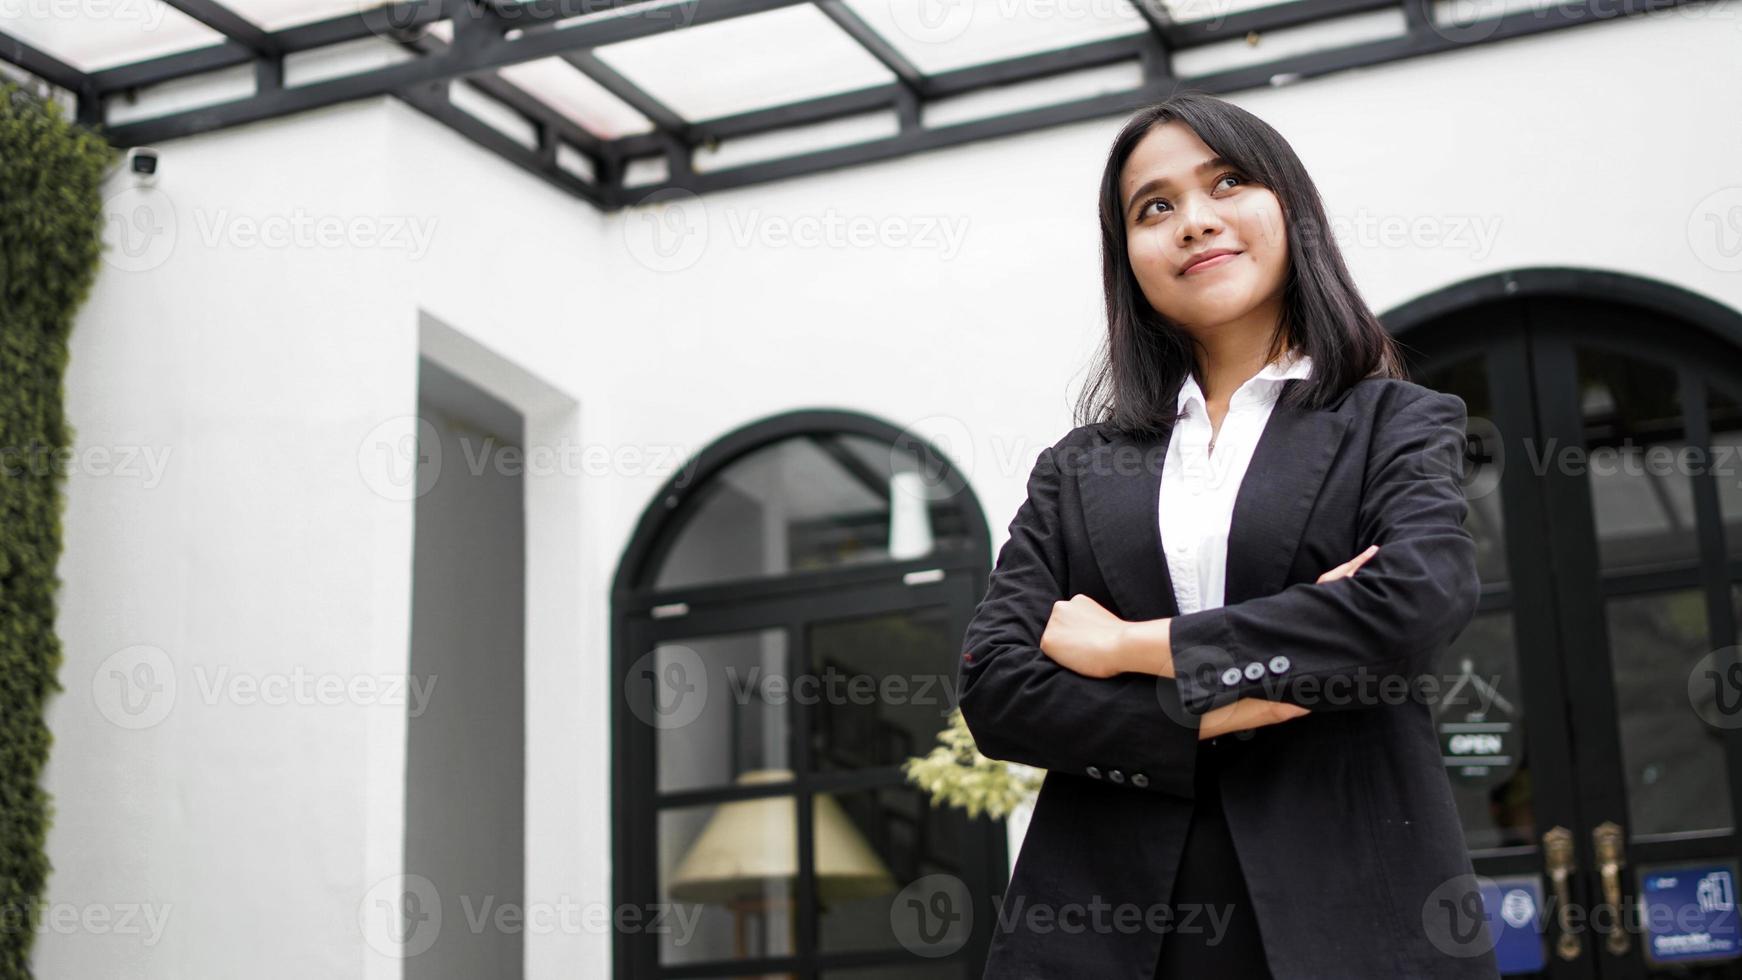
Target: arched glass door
(1591, 723)
(788, 620)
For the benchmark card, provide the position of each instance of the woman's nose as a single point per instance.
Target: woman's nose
(1197, 218)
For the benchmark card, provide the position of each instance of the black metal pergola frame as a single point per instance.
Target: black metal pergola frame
(492, 34)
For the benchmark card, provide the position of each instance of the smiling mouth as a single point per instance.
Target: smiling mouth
(1211, 263)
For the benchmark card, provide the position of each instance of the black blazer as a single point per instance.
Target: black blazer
(1343, 818)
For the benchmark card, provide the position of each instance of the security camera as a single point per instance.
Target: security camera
(142, 164)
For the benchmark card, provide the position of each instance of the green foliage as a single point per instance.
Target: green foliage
(955, 772)
(50, 244)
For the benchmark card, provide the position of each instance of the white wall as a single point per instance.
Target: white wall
(268, 380)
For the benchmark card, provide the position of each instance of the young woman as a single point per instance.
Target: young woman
(1217, 616)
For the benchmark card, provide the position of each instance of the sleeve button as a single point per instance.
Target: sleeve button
(1278, 664)
(1115, 776)
(1139, 780)
(1254, 670)
(1231, 676)
(1094, 772)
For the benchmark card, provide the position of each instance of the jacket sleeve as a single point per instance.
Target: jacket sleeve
(1366, 638)
(1023, 706)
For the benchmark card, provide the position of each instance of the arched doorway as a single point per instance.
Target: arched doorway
(1591, 724)
(787, 619)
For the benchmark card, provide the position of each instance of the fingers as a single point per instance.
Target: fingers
(1348, 568)
(1247, 713)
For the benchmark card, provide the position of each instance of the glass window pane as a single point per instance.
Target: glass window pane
(727, 872)
(885, 686)
(1481, 723)
(889, 873)
(1725, 413)
(1641, 492)
(915, 970)
(1468, 379)
(1674, 761)
(810, 503)
(710, 712)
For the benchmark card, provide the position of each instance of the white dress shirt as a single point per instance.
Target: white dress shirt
(1198, 486)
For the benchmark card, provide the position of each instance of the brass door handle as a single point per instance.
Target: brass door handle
(1557, 852)
(1609, 842)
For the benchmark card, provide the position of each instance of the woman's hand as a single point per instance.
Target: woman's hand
(1347, 568)
(1083, 635)
(1258, 712)
(1246, 713)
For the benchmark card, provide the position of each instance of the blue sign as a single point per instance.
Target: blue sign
(1690, 912)
(1515, 920)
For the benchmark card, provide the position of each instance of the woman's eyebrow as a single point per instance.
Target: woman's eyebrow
(1162, 183)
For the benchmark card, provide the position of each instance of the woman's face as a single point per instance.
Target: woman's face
(1179, 201)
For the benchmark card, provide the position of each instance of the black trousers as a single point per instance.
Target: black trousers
(1214, 933)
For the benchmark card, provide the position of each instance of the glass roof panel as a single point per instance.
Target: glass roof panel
(1185, 11)
(275, 15)
(569, 92)
(746, 63)
(122, 34)
(972, 32)
(576, 97)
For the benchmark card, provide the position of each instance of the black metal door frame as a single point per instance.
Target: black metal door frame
(1557, 590)
(796, 612)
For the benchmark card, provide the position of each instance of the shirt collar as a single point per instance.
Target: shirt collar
(1266, 384)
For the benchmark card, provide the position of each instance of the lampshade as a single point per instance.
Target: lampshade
(750, 847)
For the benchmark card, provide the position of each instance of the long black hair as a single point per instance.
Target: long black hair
(1136, 379)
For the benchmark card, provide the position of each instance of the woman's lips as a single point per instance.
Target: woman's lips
(1212, 263)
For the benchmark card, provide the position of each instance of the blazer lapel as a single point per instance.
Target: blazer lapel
(1281, 484)
(1120, 487)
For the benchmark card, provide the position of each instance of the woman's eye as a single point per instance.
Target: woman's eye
(1143, 209)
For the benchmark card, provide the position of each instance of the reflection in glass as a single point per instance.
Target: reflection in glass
(885, 690)
(729, 867)
(1468, 379)
(813, 502)
(1637, 463)
(911, 839)
(1480, 715)
(1725, 413)
(910, 970)
(716, 719)
(740, 860)
(1673, 760)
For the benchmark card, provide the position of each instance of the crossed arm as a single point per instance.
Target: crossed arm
(1416, 593)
